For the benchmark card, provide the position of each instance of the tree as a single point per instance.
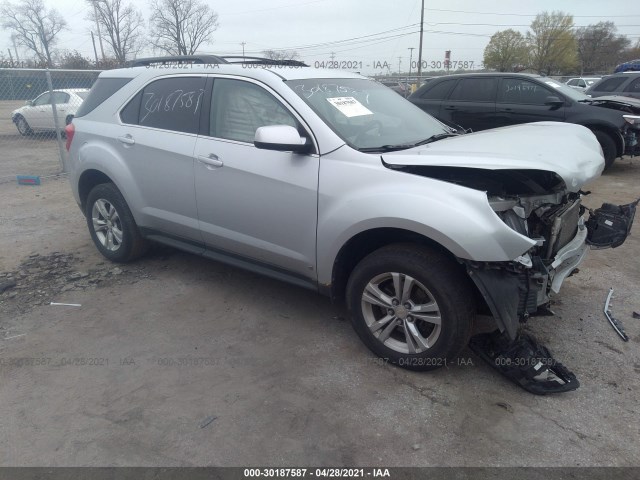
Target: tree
(34, 26)
(506, 52)
(74, 60)
(121, 27)
(281, 54)
(632, 53)
(599, 48)
(180, 27)
(552, 43)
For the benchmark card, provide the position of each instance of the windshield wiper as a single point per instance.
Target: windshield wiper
(405, 146)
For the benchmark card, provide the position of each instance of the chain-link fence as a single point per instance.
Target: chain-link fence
(35, 107)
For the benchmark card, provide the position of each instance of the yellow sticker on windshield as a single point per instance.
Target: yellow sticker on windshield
(349, 106)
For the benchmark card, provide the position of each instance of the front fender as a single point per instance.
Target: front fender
(458, 218)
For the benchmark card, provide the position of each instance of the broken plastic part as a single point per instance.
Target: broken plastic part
(610, 225)
(617, 326)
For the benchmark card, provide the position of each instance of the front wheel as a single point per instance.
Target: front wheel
(112, 226)
(411, 305)
(23, 126)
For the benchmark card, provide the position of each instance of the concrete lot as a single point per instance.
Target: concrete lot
(135, 375)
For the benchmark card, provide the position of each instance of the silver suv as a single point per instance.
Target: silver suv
(331, 181)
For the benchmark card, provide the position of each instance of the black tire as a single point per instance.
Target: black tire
(608, 145)
(23, 126)
(439, 279)
(126, 242)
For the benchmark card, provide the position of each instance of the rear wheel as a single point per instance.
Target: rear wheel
(112, 226)
(608, 147)
(23, 126)
(411, 305)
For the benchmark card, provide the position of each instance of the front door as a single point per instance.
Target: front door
(258, 205)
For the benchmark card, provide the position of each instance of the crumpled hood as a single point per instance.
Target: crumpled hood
(618, 100)
(569, 150)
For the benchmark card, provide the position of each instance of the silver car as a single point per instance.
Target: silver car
(333, 182)
(37, 114)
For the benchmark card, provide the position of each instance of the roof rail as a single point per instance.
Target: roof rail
(261, 61)
(176, 60)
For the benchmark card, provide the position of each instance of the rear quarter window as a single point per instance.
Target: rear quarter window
(609, 85)
(101, 90)
(439, 91)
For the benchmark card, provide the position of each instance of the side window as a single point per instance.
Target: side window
(573, 82)
(475, 90)
(439, 91)
(60, 97)
(239, 108)
(581, 83)
(169, 103)
(610, 84)
(516, 90)
(634, 86)
(44, 99)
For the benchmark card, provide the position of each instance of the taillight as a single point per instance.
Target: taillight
(69, 130)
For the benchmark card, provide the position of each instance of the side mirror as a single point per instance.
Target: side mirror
(554, 101)
(282, 138)
(29, 103)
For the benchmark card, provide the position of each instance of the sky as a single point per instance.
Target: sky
(367, 36)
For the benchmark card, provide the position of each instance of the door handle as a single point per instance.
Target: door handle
(210, 161)
(505, 109)
(127, 140)
(450, 107)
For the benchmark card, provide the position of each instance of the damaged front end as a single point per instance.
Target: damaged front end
(517, 290)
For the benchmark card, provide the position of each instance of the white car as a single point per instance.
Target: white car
(582, 83)
(37, 114)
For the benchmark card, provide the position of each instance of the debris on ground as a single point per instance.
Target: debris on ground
(615, 323)
(207, 421)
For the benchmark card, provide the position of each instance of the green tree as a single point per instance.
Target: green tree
(506, 52)
(552, 44)
(600, 49)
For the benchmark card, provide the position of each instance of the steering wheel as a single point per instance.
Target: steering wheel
(366, 129)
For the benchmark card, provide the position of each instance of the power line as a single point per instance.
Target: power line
(525, 15)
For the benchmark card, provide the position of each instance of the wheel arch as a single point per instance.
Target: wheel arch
(612, 132)
(368, 241)
(88, 181)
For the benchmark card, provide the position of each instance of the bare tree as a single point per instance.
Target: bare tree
(599, 47)
(180, 27)
(281, 54)
(34, 26)
(121, 27)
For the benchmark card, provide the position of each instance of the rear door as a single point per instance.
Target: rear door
(633, 89)
(431, 98)
(472, 103)
(521, 100)
(257, 204)
(157, 140)
(40, 115)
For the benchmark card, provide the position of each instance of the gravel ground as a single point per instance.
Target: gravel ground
(178, 361)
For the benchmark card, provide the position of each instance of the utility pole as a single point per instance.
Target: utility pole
(411, 49)
(15, 49)
(399, 61)
(95, 52)
(95, 12)
(420, 46)
(10, 56)
(243, 44)
(333, 55)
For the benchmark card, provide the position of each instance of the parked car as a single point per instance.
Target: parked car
(330, 181)
(581, 83)
(490, 100)
(626, 84)
(37, 114)
(401, 88)
(631, 65)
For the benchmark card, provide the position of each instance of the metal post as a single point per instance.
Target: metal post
(420, 46)
(95, 52)
(56, 122)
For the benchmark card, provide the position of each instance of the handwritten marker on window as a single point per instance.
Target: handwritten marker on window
(66, 304)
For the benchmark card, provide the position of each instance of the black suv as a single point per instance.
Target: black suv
(490, 100)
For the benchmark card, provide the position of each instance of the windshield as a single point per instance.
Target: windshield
(366, 114)
(572, 93)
